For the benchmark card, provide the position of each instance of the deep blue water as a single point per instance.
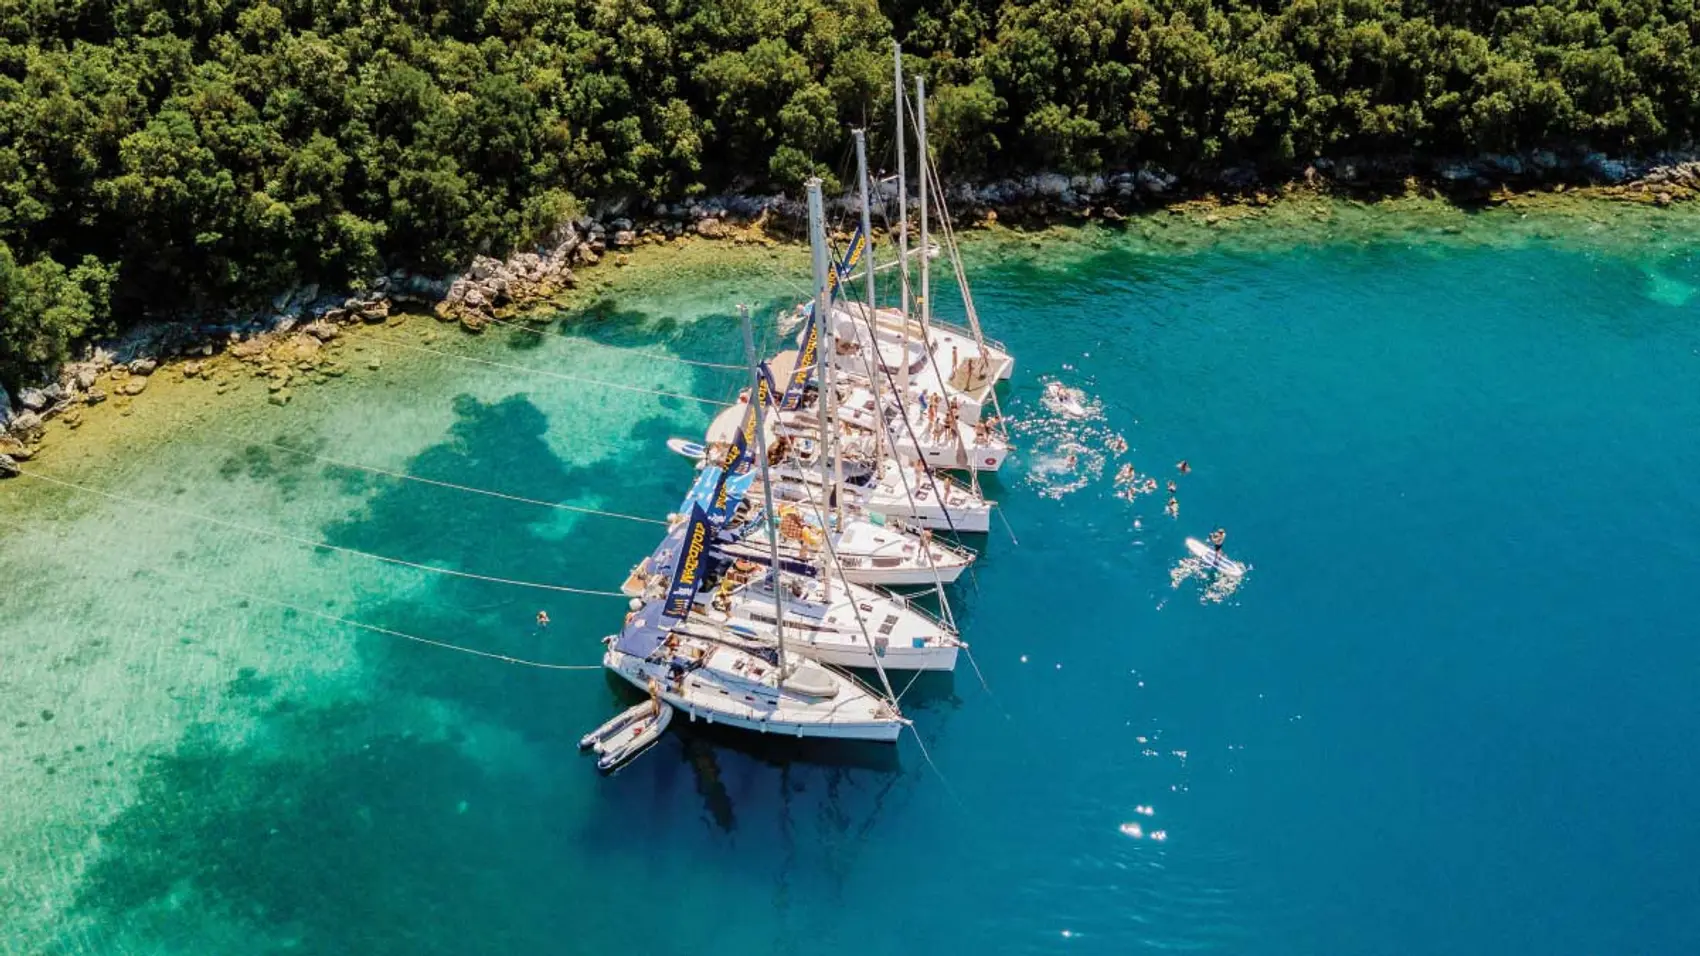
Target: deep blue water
(1451, 709)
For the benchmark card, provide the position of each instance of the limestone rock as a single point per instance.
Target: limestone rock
(8, 467)
(32, 399)
(143, 366)
(27, 426)
(94, 396)
(710, 229)
(15, 448)
(134, 386)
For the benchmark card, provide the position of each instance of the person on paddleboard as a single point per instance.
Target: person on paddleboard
(1217, 537)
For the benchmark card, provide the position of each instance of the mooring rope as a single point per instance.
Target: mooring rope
(318, 544)
(538, 371)
(444, 484)
(492, 655)
(535, 330)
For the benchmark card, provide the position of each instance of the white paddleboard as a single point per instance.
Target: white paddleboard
(1212, 559)
(686, 447)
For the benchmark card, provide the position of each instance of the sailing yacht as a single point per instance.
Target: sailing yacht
(770, 692)
(868, 551)
(834, 622)
(931, 438)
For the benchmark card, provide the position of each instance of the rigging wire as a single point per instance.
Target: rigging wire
(137, 502)
(491, 655)
(444, 484)
(538, 371)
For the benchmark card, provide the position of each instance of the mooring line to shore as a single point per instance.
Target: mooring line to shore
(387, 340)
(492, 655)
(403, 476)
(541, 330)
(317, 544)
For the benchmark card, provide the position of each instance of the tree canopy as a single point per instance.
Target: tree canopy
(165, 153)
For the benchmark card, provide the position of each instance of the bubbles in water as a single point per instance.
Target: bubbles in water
(1217, 587)
(1069, 446)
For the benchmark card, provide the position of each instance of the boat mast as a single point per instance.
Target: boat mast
(902, 222)
(873, 330)
(823, 345)
(921, 148)
(766, 487)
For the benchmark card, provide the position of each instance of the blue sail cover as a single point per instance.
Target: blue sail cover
(852, 255)
(731, 494)
(805, 364)
(770, 388)
(806, 356)
(689, 567)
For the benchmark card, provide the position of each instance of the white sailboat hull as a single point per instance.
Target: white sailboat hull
(860, 569)
(934, 657)
(751, 714)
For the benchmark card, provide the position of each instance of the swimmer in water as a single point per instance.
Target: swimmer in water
(1173, 507)
(1171, 486)
(1124, 474)
(1071, 461)
(542, 618)
(1217, 537)
(1183, 467)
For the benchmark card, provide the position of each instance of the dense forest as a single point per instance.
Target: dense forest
(163, 153)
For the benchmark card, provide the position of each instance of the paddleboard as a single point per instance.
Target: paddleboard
(1208, 555)
(684, 446)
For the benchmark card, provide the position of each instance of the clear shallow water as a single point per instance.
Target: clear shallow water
(1450, 709)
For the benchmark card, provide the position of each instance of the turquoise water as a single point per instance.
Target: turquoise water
(1449, 709)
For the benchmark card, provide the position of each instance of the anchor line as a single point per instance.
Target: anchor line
(445, 484)
(491, 655)
(387, 340)
(318, 544)
(523, 327)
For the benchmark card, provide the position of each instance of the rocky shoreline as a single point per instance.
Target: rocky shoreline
(296, 338)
